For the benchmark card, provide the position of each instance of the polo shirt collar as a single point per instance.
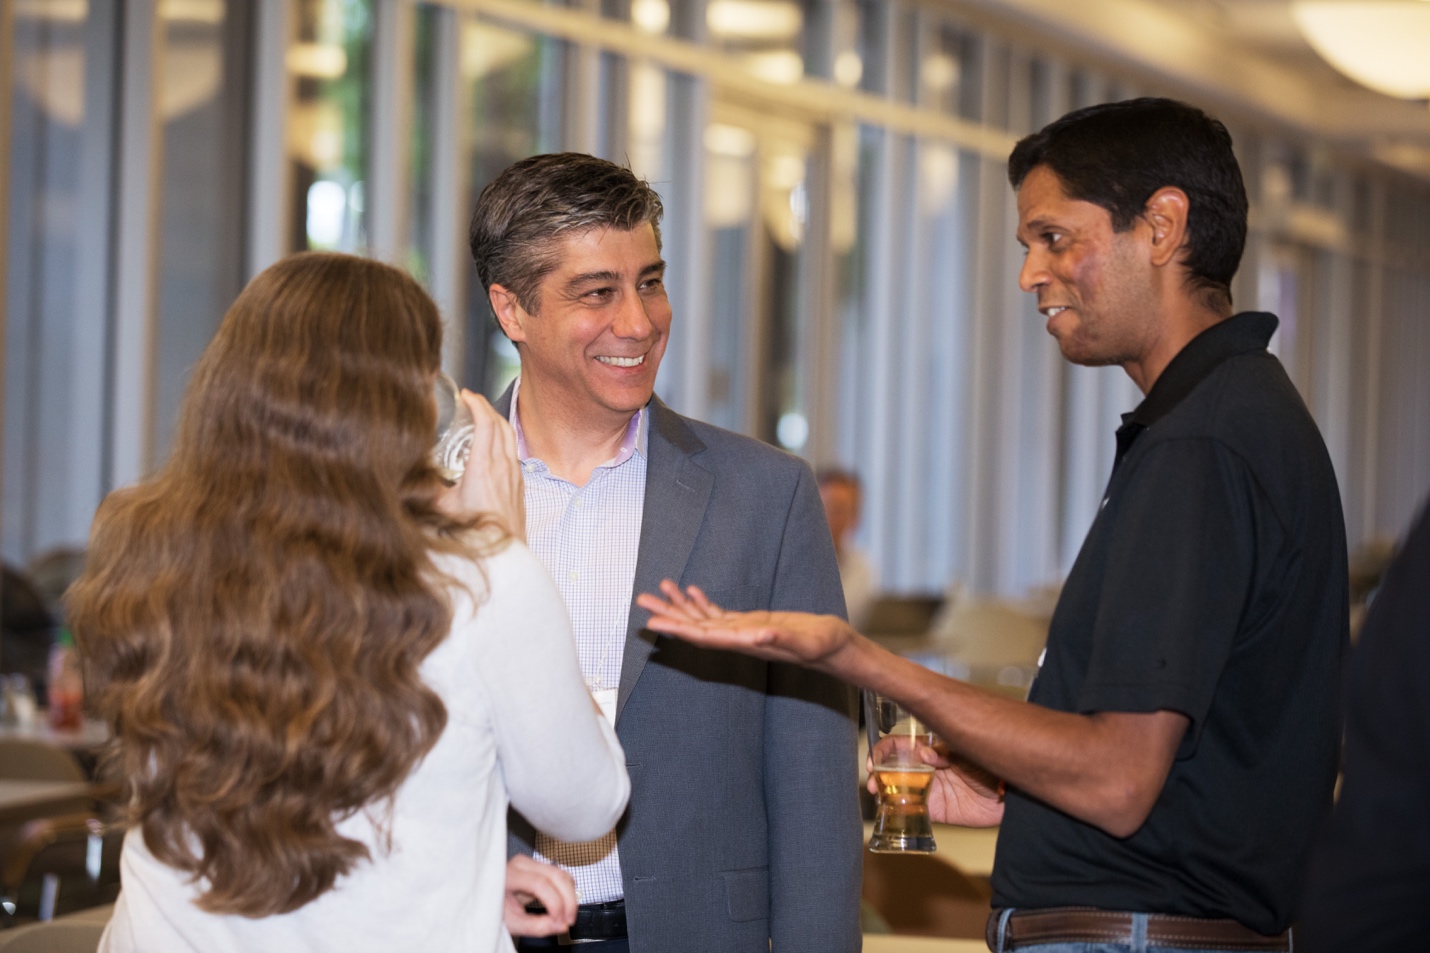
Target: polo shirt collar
(1239, 334)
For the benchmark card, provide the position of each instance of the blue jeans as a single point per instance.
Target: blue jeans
(1138, 944)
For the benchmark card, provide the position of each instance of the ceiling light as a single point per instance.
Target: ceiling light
(651, 16)
(754, 19)
(939, 72)
(1382, 44)
(776, 66)
(317, 60)
(848, 69)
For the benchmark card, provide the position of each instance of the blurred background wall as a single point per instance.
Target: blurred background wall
(839, 227)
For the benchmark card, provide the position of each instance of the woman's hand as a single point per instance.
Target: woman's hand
(798, 637)
(552, 887)
(492, 482)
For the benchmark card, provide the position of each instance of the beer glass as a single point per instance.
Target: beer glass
(454, 430)
(902, 824)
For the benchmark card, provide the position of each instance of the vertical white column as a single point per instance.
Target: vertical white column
(87, 469)
(449, 178)
(1021, 444)
(269, 201)
(685, 372)
(875, 447)
(390, 132)
(686, 383)
(820, 326)
(983, 545)
(581, 100)
(137, 241)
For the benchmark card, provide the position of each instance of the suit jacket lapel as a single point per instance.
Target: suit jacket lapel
(676, 492)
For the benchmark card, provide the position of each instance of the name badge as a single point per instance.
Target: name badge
(606, 699)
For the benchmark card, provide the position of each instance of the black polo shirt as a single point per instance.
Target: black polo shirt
(1212, 583)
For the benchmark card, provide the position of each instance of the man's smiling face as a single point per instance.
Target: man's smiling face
(601, 323)
(1094, 284)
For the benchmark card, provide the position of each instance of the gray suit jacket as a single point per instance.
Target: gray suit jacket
(743, 823)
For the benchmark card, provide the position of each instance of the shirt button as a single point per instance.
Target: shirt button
(572, 575)
(576, 502)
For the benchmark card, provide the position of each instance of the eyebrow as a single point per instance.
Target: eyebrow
(597, 276)
(591, 276)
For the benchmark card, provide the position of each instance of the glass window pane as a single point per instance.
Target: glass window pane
(328, 121)
(511, 78)
(61, 71)
(203, 108)
(424, 100)
(731, 190)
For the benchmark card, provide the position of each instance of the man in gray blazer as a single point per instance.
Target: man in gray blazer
(743, 828)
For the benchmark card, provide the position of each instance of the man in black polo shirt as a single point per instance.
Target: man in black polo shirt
(1180, 743)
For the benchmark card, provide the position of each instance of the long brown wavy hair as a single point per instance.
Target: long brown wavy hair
(252, 618)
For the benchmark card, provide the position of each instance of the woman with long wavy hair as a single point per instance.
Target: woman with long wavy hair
(327, 671)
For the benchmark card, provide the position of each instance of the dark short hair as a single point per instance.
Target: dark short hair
(1116, 155)
(544, 197)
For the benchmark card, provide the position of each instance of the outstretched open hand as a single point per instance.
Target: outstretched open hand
(798, 637)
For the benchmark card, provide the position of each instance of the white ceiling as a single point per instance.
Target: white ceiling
(1241, 55)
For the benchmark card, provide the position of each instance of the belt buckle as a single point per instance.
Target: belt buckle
(564, 939)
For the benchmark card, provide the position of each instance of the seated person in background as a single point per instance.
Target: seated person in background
(327, 672)
(843, 497)
(26, 631)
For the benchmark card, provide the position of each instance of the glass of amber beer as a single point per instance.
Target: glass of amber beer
(902, 824)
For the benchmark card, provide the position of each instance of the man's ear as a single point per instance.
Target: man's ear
(1166, 213)
(510, 314)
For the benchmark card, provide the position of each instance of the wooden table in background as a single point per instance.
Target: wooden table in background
(90, 736)
(22, 801)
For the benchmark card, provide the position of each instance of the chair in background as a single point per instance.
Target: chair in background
(76, 933)
(994, 643)
(901, 623)
(58, 865)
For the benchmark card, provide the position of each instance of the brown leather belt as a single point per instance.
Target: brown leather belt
(1088, 925)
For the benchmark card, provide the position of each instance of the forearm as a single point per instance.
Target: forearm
(1105, 769)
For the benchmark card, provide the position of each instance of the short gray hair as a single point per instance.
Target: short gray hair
(543, 197)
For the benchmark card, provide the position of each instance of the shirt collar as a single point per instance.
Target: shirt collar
(1241, 333)
(635, 441)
